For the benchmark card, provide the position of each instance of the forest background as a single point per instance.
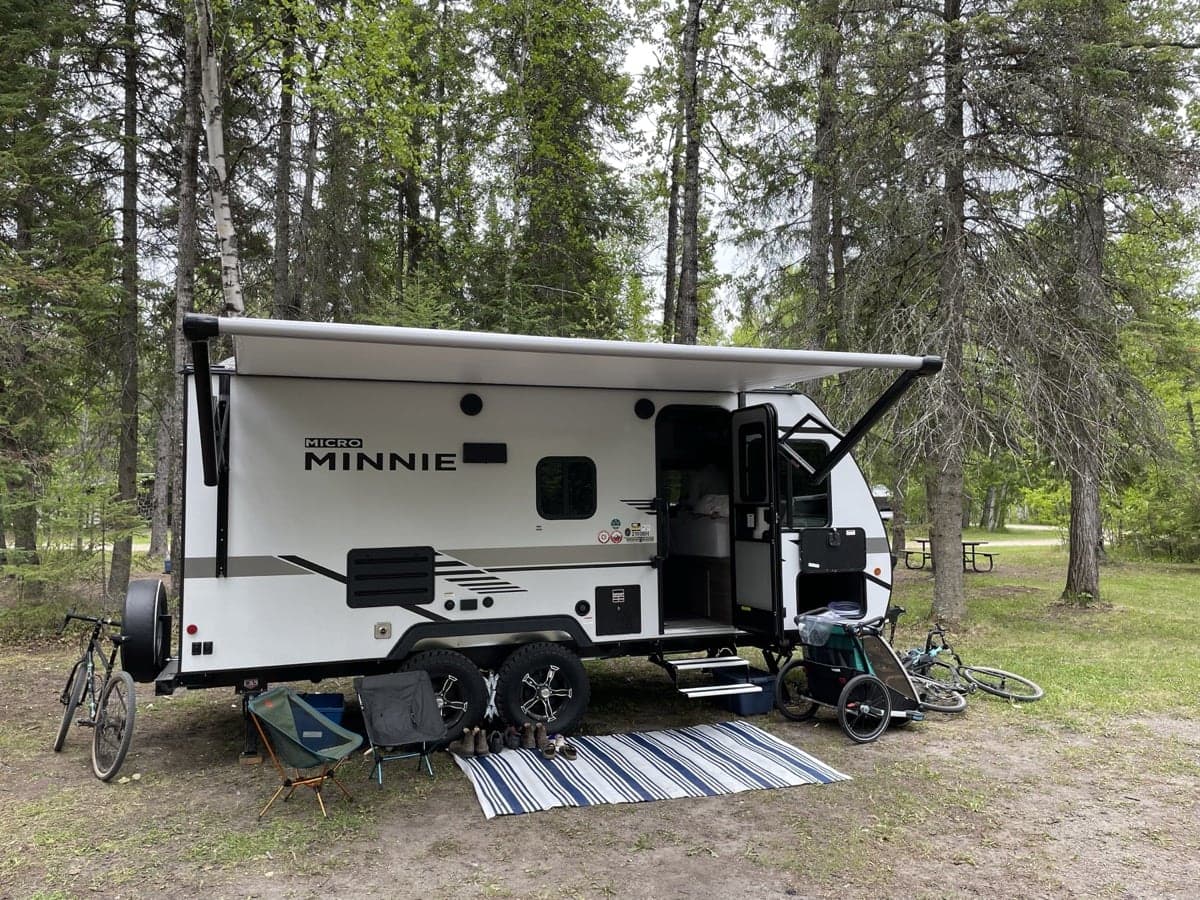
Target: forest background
(1007, 183)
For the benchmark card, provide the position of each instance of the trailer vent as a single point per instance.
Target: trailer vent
(389, 576)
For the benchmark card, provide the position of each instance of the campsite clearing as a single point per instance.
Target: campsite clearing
(1093, 792)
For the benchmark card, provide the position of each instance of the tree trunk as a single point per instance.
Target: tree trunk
(185, 276)
(672, 253)
(823, 166)
(987, 514)
(214, 129)
(1086, 540)
(283, 300)
(686, 313)
(899, 516)
(946, 462)
(304, 251)
(160, 500)
(127, 441)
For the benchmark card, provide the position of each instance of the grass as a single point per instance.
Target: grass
(1132, 655)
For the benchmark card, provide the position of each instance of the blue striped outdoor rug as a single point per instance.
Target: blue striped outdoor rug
(701, 761)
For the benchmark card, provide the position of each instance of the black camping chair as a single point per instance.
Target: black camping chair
(400, 713)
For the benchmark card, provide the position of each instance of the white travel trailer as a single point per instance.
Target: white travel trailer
(362, 499)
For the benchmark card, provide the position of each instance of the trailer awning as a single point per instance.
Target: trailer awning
(378, 353)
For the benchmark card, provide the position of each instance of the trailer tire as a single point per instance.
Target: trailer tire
(458, 685)
(146, 626)
(545, 683)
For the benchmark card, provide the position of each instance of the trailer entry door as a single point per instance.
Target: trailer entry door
(757, 598)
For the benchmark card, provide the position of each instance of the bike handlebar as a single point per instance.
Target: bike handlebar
(95, 620)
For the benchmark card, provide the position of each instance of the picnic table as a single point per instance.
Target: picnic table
(972, 556)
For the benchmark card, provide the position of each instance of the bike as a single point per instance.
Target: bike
(940, 663)
(111, 699)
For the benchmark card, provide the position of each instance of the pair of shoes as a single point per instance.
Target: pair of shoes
(512, 737)
(495, 742)
(527, 739)
(557, 747)
(539, 736)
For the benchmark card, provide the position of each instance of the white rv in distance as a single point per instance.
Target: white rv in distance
(362, 499)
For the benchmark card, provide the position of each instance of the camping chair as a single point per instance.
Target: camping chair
(298, 737)
(400, 710)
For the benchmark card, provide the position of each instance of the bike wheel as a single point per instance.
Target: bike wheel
(114, 725)
(791, 692)
(936, 696)
(71, 695)
(864, 708)
(1002, 684)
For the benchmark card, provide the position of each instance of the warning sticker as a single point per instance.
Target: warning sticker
(637, 533)
(603, 537)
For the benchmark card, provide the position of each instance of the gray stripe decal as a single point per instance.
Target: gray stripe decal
(241, 567)
(878, 545)
(593, 554)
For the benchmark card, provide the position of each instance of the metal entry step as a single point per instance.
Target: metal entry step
(720, 690)
(705, 663)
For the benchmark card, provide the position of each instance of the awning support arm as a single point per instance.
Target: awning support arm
(889, 398)
(198, 329)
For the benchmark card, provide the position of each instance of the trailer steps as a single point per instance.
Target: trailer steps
(702, 664)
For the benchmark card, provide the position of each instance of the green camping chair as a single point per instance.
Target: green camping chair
(300, 739)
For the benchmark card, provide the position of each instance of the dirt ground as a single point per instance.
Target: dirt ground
(994, 803)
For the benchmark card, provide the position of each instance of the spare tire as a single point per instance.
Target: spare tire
(146, 626)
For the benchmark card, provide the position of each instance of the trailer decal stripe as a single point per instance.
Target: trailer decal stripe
(879, 581)
(242, 566)
(494, 558)
(313, 567)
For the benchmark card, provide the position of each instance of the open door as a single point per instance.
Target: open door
(757, 596)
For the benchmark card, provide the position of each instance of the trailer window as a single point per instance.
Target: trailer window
(566, 487)
(804, 503)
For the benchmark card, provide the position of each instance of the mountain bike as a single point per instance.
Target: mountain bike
(939, 662)
(105, 698)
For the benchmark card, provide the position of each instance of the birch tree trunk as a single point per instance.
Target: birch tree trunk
(945, 478)
(685, 311)
(304, 224)
(214, 132)
(127, 441)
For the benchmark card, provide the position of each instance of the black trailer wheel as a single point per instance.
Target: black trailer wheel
(864, 708)
(113, 730)
(791, 692)
(543, 683)
(71, 695)
(457, 684)
(146, 625)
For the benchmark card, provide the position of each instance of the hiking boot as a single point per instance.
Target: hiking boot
(495, 742)
(481, 742)
(512, 737)
(464, 746)
(527, 739)
(539, 736)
